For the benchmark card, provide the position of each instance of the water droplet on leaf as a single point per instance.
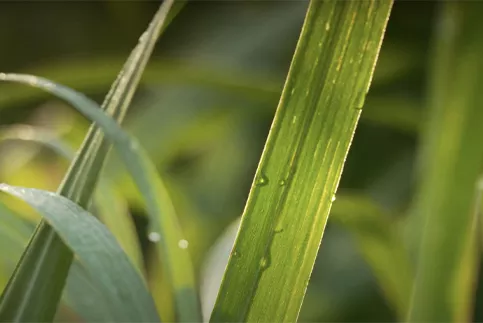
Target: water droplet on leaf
(261, 180)
(263, 263)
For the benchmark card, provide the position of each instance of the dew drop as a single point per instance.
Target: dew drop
(154, 237)
(282, 182)
(327, 26)
(261, 180)
(263, 263)
(360, 102)
(183, 244)
(333, 198)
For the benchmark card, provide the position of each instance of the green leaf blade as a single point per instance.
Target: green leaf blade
(299, 172)
(80, 293)
(98, 251)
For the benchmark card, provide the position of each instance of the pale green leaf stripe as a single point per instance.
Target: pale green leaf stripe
(97, 250)
(381, 245)
(159, 206)
(290, 199)
(110, 208)
(452, 160)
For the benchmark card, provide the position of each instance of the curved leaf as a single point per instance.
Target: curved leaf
(80, 293)
(98, 252)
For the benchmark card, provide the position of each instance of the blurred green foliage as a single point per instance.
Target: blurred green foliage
(203, 112)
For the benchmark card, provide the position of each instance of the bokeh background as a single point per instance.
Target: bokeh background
(203, 112)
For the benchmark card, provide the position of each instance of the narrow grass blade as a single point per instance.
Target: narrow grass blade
(35, 287)
(27, 133)
(88, 75)
(381, 245)
(117, 103)
(98, 251)
(302, 162)
(110, 208)
(164, 227)
(14, 233)
(11, 224)
(452, 158)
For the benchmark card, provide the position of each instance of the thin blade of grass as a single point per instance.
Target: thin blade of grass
(35, 287)
(164, 227)
(444, 217)
(109, 267)
(14, 233)
(118, 101)
(300, 168)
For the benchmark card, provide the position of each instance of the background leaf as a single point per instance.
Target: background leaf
(381, 244)
(444, 222)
